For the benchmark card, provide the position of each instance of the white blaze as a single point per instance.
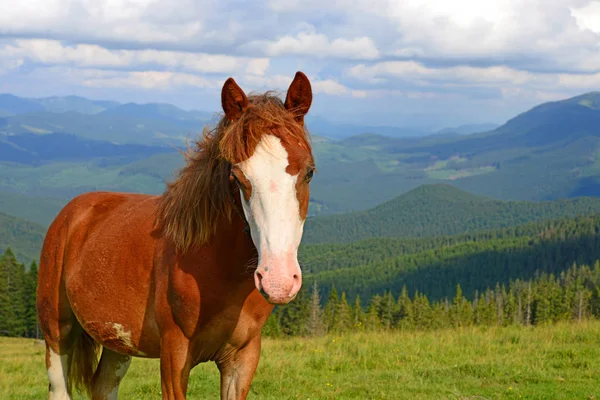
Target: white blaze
(273, 211)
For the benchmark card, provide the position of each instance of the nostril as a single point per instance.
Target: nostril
(296, 277)
(258, 280)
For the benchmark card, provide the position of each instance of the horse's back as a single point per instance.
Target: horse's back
(100, 251)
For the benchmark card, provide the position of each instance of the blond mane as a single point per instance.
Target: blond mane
(199, 199)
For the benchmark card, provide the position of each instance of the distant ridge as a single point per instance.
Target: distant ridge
(23, 237)
(436, 210)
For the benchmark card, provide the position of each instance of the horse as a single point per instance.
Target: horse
(188, 276)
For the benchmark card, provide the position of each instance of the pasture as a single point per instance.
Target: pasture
(548, 362)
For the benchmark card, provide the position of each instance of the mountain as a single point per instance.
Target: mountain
(39, 209)
(24, 237)
(549, 152)
(467, 129)
(12, 105)
(154, 124)
(166, 112)
(439, 210)
(62, 104)
(32, 148)
(435, 266)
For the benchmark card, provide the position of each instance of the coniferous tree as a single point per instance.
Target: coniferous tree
(31, 320)
(12, 306)
(316, 327)
(358, 315)
(343, 315)
(329, 311)
(405, 315)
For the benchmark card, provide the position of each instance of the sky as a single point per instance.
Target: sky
(378, 62)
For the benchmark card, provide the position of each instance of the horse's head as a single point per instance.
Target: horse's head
(273, 177)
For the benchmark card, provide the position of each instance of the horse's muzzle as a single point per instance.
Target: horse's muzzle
(278, 285)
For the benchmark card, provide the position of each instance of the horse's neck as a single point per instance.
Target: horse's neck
(233, 244)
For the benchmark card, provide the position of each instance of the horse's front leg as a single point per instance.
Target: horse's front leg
(175, 365)
(237, 370)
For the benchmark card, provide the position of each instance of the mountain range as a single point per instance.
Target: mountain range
(54, 148)
(439, 210)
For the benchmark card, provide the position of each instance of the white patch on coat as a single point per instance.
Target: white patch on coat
(57, 375)
(125, 337)
(273, 211)
(119, 374)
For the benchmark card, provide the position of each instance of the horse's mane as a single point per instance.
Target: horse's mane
(193, 205)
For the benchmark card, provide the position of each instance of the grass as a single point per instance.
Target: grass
(549, 362)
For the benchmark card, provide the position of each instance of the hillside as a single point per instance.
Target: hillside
(24, 237)
(436, 265)
(549, 152)
(439, 210)
(32, 148)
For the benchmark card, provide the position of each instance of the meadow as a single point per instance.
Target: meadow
(560, 361)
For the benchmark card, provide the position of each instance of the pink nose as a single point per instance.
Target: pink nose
(276, 286)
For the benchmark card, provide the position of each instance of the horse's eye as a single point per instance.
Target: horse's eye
(237, 181)
(309, 175)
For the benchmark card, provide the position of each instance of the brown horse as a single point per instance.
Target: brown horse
(189, 276)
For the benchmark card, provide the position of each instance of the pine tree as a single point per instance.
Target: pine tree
(387, 311)
(329, 312)
(343, 315)
(29, 292)
(405, 316)
(316, 327)
(358, 315)
(372, 318)
(12, 306)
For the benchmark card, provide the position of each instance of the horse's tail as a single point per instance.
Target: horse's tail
(84, 361)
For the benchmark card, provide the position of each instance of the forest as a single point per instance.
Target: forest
(530, 274)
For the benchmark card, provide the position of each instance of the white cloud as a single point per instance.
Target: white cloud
(53, 52)
(319, 45)
(143, 79)
(419, 49)
(506, 80)
(588, 17)
(9, 64)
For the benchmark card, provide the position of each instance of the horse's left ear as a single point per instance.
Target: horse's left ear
(299, 97)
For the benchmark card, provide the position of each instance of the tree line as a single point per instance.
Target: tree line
(436, 265)
(434, 298)
(571, 295)
(18, 285)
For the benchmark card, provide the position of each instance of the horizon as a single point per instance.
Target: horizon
(397, 64)
(423, 132)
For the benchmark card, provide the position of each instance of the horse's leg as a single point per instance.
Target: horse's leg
(57, 366)
(237, 371)
(111, 370)
(175, 365)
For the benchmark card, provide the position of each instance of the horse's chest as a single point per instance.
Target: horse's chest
(215, 316)
(205, 305)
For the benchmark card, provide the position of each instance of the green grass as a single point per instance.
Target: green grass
(548, 362)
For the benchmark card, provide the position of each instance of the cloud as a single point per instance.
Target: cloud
(423, 50)
(502, 79)
(282, 82)
(160, 80)
(318, 45)
(53, 52)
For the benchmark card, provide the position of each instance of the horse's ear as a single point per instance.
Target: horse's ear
(233, 100)
(299, 97)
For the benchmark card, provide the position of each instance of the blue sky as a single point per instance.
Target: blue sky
(370, 61)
